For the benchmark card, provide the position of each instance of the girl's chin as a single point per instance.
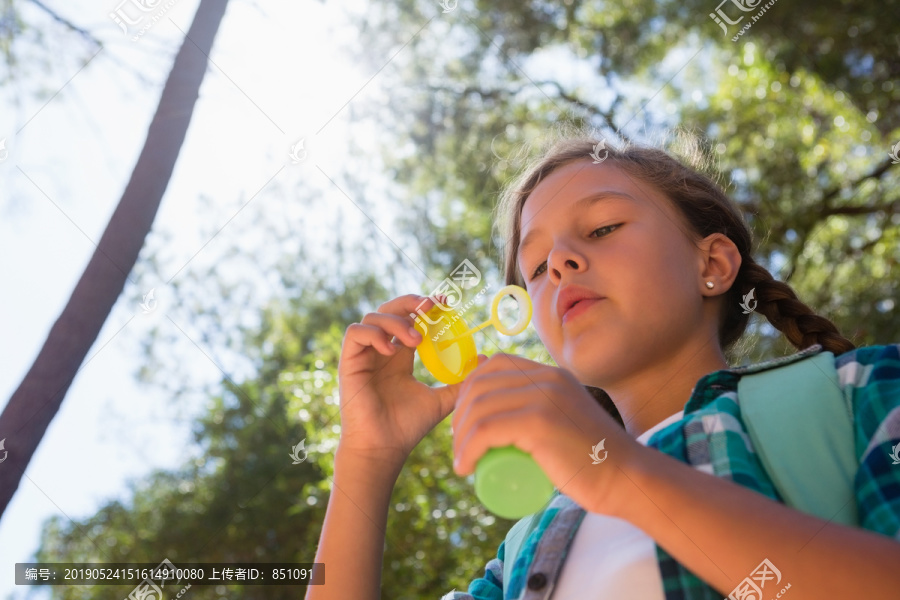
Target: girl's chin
(585, 349)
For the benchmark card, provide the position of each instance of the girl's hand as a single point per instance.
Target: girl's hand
(385, 411)
(547, 413)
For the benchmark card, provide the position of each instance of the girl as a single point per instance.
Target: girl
(638, 267)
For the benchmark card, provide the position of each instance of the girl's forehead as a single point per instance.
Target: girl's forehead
(576, 180)
(572, 189)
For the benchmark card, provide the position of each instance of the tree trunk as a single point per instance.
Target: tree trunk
(38, 398)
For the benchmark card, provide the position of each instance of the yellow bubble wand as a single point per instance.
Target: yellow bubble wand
(507, 480)
(525, 309)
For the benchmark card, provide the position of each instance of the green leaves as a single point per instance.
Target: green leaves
(800, 114)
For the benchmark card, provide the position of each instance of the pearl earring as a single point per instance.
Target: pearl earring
(710, 284)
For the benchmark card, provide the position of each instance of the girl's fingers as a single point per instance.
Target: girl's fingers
(508, 369)
(399, 316)
(400, 327)
(526, 381)
(394, 319)
(359, 337)
(409, 306)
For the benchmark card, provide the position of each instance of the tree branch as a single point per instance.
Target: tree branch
(854, 210)
(493, 94)
(591, 108)
(876, 173)
(890, 207)
(60, 19)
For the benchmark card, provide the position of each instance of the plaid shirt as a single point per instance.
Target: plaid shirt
(712, 438)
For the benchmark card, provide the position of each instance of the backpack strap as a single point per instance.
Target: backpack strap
(515, 539)
(802, 431)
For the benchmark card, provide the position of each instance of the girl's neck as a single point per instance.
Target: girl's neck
(651, 399)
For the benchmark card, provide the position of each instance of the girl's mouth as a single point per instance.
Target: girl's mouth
(578, 308)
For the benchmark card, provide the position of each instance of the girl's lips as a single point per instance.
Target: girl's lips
(578, 308)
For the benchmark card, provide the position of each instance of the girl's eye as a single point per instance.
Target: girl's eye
(611, 228)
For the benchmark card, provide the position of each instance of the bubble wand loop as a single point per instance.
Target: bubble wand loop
(508, 481)
(525, 310)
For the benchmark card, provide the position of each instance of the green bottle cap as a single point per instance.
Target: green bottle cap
(511, 484)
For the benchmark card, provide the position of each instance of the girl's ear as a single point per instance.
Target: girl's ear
(721, 261)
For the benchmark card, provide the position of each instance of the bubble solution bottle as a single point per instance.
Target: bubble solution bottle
(508, 481)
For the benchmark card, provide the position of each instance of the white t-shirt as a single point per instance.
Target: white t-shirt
(610, 557)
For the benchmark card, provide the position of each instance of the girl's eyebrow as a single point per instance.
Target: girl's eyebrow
(578, 205)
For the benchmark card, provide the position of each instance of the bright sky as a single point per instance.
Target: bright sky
(280, 77)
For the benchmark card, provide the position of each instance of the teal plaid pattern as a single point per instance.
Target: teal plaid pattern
(711, 437)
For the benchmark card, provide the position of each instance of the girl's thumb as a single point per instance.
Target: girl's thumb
(481, 359)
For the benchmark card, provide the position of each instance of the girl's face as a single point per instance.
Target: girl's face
(597, 227)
